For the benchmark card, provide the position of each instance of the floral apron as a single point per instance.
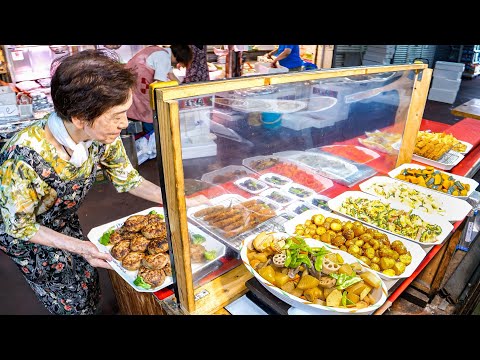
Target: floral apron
(64, 282)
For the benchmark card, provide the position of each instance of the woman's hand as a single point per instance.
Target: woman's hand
(94, 256)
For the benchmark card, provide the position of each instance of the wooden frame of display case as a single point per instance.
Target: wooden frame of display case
(228, 287)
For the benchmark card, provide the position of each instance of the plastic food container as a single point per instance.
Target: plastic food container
(275, 180)
(251, 185)
(278, 196)
(299, 191)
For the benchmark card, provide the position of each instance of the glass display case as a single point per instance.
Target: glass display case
(245, 155)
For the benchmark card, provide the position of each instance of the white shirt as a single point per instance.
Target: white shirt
(161, 62)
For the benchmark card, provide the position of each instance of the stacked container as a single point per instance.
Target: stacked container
(447, 77)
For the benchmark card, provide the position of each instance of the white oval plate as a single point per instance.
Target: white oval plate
(473, 184)
(337, 201)
(455, 209)
(380, 294)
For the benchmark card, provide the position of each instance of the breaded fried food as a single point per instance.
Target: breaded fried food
(120, 250)
(116, 236)
(135, 223)
(139, 243)
(167, 269)
(154, 230)
(157, 246)
(155, 261)
(133, 260)
(152, 277)
(196, 253)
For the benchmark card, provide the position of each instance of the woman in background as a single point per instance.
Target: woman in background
(198, 68)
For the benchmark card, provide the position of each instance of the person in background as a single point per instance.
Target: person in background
(198, 69)
(287, 56)
(153, 63)
(47, 169)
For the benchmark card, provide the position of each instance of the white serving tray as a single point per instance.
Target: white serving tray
(380, 294)
(446, 227)
(469, 147)
(455, 209)
(417, 252)
(448, 161)
(473, 184)
(130, 276)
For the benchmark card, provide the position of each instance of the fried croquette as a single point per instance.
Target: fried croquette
(155, 229)
(156, 261)
(157, 246)
(121, 249)
(135, 223)
(152, 277)
(133, 260)
(139, 243)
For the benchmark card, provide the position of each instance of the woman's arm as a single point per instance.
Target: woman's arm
(148, 191)
(49, 237)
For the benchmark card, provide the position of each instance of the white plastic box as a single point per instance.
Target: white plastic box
(447, 74)
(451, 66)
(446, 84)
(446, 96)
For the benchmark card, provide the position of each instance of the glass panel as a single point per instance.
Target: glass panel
(253, 158)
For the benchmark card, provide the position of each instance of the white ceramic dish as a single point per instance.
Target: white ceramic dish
(453, 209)
(379, 294)
(473, 184)
(446, 227)
(270, 177)
(129, 276)
(417, 252)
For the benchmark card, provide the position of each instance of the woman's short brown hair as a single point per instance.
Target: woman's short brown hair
(88, 83)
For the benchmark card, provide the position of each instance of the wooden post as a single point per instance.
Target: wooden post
(414, 117)
(169, 133)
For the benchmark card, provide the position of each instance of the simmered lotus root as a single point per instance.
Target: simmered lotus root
(279, 259)
(329, 266)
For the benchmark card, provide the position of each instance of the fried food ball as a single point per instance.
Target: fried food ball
(120, 250)
(139, 243)
(157, 246)
(133, 260)
(155, 261)
(154, 229)
(196, 252)
(135, 223)
(152, 277)
(116, 236)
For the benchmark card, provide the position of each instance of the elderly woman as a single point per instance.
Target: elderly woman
(47, 169)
